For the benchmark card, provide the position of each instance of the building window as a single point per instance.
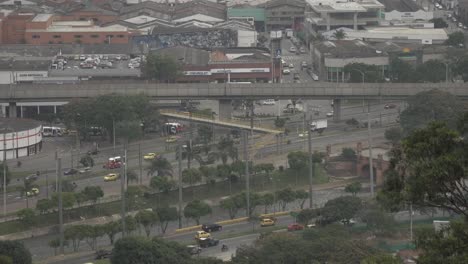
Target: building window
(82, 18)
(109, 36)
(36, 36)
(57, 36)
(120, 36)
(78, 36)
(95, 36)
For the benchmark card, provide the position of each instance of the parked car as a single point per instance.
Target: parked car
(330, 114)
(302, 50)
(390, 106)
(194, 250)
(208, 242)
(31, 177)
(295, 227)
(111, 177)
(292, 49)
(70, 172)
(103, 254)
(297, 76)
(286, 71)
(268, 102)
(291, 66)
(304, 64)
(211, 227)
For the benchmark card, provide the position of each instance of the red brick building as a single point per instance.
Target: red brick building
(13, 27)
(49, 29)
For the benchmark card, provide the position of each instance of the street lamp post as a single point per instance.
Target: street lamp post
(113, 133)
(369, 137)
(4, 173)
(311, 167)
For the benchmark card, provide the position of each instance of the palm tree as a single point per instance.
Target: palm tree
(339, 34)
(226, 150)
(161, 166)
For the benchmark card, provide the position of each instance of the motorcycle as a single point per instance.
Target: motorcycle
(224, 248)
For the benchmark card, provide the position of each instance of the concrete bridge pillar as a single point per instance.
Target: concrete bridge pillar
(336, 110)
(12, 110)
(225, 109)
(379, 177)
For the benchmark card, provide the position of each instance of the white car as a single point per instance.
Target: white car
(330, 114)
(304, 64)
(304, 134)
(291, 65)
(292, 49)
(268, 102)
(286, 71)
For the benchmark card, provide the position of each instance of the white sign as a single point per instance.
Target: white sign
(197, 73)
(240, 70)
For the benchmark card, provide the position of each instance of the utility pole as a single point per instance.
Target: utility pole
(179, 160)
(60, 203)
(4, 173)
(311, 167)
(47, 185)
(113, 134)
(56, 170)
(122, 190)
(247, 176)
(140, 163)
(369, 138)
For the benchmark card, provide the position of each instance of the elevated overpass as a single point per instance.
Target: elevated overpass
(316, 90)
(225, 93)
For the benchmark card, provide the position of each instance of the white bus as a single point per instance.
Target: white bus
(52, 131)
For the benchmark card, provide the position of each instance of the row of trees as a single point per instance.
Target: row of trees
(281, 198)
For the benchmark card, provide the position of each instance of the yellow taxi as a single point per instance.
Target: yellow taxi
(267, 222)
(202, 234)
(33, 192)
(150, 156)
(111, 177)
(171, 139)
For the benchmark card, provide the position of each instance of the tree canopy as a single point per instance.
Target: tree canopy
(433, 105)
(160, 67)
(16, 251)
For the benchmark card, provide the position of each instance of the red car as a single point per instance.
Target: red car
(295, 227)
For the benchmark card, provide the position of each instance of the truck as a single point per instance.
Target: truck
(289, 33)
(318, 125)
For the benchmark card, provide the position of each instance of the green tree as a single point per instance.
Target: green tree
(8, 174)
(306, 215)
(439, 22)
(162, 184)
(76, 234)
(431, 71)
(92, 233)
(15, 250)
(226, 150)
(429, 170)
(93, 193)
(445, 246)
(133, 193)
(131, 250)
(44, 205)
(348, 154)
(68, 199)
(267, 200)
(161, 166)
(27, 217)
(196, 209)
(394, 135)
(165, 215)
(402, 71)
(339, 34)
(298, 160)
(285, 196)
(55, 244)
(461, 67)
(147, 219)
(232, 204)
(280, 122)
(130, 224)
(353, 188)
(433, 105)
(301, 196)
(205, 134)
(377, 221)
(160, 67)
(456, 39)
(111, 229)
(129, 130)
(87, 161)
(340, 209)
(191, 176)
(209, 173)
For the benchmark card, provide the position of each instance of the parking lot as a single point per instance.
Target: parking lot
(96, 66)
